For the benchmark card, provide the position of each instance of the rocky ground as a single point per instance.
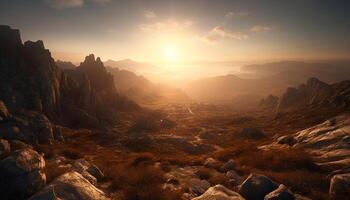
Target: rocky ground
(192, 152)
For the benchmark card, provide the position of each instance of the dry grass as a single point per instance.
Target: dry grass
(139, 179)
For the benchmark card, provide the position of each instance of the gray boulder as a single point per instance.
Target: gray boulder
(340, 186)
(281, 193)
(256, 187)
(21, 174)
(70, 186)
(219, 192)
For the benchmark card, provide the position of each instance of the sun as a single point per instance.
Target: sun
(170, 53)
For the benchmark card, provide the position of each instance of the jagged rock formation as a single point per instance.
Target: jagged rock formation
(30, 80)
(100, 79)
(316, 93)
(63, 65)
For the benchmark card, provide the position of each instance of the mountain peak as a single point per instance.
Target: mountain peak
(10, 39)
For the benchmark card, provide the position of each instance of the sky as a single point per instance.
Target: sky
(183, 31)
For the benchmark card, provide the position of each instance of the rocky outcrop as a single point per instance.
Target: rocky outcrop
(101, 80)
(70, 186)
(219, 192)
(21, 174)
(256, 187)
(328, 142)
(316, 94)
(340, 186)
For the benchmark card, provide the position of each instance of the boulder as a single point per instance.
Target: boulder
(211, 163)
(281, 193)
(21, 174)
(229, 165)
(340, 186)
(256, 187)
(21, 162)
(70, 186)
(219, 192)
(87, 170)
(4, 148)
(250, 133)
(198, 186)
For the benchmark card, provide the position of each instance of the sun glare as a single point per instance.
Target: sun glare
(171, 54)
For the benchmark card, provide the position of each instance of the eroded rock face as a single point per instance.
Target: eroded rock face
(71, 186)
(219, 192)
(328, 142)
(340, 186)
(21, 174)
(256, 187)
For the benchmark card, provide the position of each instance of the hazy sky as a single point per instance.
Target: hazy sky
(184, 30)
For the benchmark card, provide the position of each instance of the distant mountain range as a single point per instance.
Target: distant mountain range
(130, 65)
(271, 78)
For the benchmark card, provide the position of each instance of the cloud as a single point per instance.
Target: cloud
(232, 14)
(150, 15)
(219, 33)
(59, 4)
(260, 28)
(166, 26)
(101, 1)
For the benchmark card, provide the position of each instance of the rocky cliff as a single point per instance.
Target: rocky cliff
(30, 80)
(312, 95)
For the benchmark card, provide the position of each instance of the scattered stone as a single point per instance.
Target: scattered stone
(256, 187)
(229, 165)
(219, 192)
(281, 193)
